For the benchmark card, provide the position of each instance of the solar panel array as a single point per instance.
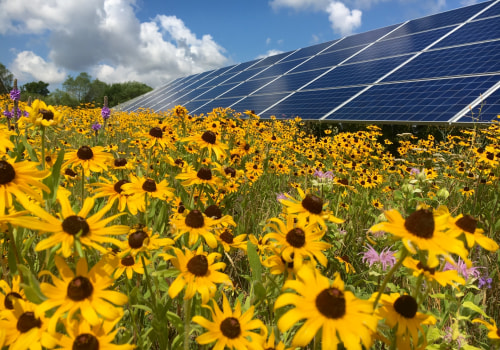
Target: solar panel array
(443, 68)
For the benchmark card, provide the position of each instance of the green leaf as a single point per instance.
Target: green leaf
(254, 260)
(31, 286)
(474, 307)
(29, 149)
(53, 180)
(142, 307)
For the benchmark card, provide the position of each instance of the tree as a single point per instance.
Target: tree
(61, 98)
(39, 88)
(6, 80)
(78, 87)
(122, 92)
(96, 92)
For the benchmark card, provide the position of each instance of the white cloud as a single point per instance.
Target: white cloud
(106, 39)
(468, 2)
(269, 53)
(268, 41)
(342, 19)
(29, 66)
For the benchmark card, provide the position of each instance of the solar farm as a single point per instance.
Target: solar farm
(443, 68)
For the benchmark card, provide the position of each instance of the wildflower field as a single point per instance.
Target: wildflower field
(175, 231)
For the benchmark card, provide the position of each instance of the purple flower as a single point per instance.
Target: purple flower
(8, 114)
(280, 196)
(414, 171)
(96, 126)
(462, 269)
(105, 112)
(15, 94)
(386, 258)
(324, 175)
(485, 281)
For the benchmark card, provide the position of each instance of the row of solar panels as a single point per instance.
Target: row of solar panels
(443, 68)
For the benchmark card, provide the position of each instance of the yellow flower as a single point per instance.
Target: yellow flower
(327, 306)
(209, 141)
(231, 329)
(83, 291)
(196, 224)
(90, 158)
(493, 330)
(41, 114)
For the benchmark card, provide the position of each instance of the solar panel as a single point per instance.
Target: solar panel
(435, 69)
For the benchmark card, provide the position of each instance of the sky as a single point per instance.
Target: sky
(154, 42)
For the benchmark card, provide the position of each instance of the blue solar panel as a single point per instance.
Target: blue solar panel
(216, 91)
(291, 82)
(420, 101)
(485, 112)
(327, 59)
(439, 20)
(357, 73)
(470, 59)
(310, 104)
(400, 45)
(257, 102)
(244, 75)
(487, 29)
(221, 79)
(247, 87)
(271, 60)
(363, 38)
(279, 68)
(210, 105)
(308, 51)
(492, 11)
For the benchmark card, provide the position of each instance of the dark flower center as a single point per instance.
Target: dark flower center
(85, 153)
(313, 204)
(70, 172)
(230, 327)
(420, 223)
(227, 237)
(120, 162)
(8, 300)
(75, 224)
(27, 321)
(467, 223)
(128, 260)
(79, 288)
(194, 219)
(230, 171)
(421, 266)
(156, 132)
(198, 265)
(149, 185)
(204, 173)
(48, 159)
(406, 306)
(213, 211)
(46, 115)
(296, 237)
(85, 341)
(181, 208)
(136, 239)
(331, 303)
(7, 172)
(209, 137)
(118, 186)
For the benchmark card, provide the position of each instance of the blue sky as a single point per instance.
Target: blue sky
(156, 41)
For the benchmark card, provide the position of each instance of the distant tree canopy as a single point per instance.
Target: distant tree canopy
(75, 90)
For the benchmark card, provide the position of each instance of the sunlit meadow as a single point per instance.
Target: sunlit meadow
(177, 231)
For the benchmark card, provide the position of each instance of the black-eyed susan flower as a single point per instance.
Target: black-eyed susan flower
(9, 293)
(196, 224)
(444, 278)
(198, 272)
(327, 306)
(84, 291)
(270, 343)
(113, 191)
(208, 140)
(493, 330)
(82, 335)
(141, 239)
(156, 136)
(423, 231)
(5, 142)
(401, 311)
(230, 328)
(26, 327)
(21, 179)
(228, 241)
(41, 114)
(139, 187)
(203, 176)
(467, 225)
(310, 208)
(297, 241)
(130, 264)
(90, 230)
(91, 159)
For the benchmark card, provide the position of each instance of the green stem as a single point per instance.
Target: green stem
(148, 282)
(136, 334)
(391, 272)
(187, 322)
(43, 147)
(83, 185)
(12, 240)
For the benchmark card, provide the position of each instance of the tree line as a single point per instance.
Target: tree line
(75, 90)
